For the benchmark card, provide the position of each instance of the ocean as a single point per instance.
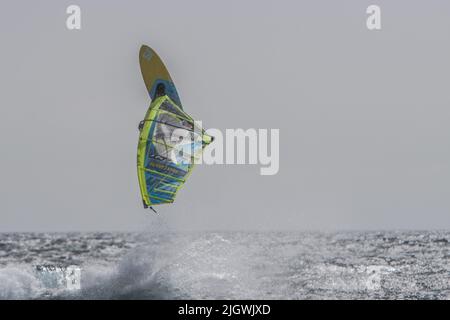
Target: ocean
(225, 265)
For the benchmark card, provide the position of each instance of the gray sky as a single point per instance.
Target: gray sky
(363, 116)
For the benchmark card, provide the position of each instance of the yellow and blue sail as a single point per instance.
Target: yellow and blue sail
(170, 143)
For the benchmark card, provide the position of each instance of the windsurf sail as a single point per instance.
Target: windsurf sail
(170, 143)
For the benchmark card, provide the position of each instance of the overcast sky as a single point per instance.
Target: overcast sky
(363, 115)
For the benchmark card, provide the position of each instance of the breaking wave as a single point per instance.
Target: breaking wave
(228, 265)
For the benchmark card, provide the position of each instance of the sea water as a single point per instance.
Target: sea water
(226, 265)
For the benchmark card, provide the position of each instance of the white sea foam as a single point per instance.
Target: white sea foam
(275, 265)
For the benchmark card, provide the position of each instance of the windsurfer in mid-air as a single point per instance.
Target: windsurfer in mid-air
(160, 174)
